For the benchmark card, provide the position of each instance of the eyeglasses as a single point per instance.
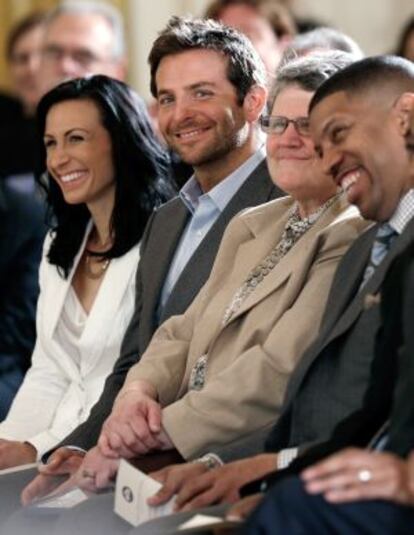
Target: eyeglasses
(277, 124)
(84, 58)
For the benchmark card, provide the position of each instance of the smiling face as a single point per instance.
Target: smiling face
(198, 112)
(79, 153)
(292, 162)
(361, 143)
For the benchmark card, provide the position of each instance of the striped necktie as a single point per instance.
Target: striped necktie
(382, 243)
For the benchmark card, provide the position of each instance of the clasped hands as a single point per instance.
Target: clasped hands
(133, 429)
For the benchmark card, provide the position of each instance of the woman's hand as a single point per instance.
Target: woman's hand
(15, 453)
(134, 426)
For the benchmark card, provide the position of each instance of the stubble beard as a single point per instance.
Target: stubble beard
(220, 148)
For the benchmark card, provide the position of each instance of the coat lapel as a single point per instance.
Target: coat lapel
(118, 277)
(157, 257)
(348, 302)
(257, 189)
(57, 291)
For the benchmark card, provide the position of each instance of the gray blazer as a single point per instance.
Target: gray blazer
(159, 242)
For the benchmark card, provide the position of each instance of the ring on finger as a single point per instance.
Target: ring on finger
(364, 475)
(88, 474)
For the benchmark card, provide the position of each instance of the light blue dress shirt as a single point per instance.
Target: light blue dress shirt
(205, 208)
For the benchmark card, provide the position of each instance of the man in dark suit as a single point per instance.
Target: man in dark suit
(208, 114)
(357, 490)
(22, 232)
(360, 134)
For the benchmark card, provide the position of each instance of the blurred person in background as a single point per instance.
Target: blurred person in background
(267, 23)
(21, 212)
(405, 47)
(82, 38)
(319, 39)
(17, 126)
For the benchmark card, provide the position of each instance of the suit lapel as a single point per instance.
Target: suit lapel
(257, 189)
(350, 301)
(57, 292)
(161, 248)
(117, 278)
(373, 285)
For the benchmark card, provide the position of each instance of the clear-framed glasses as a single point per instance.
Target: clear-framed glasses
(82, 57)
(277, 124)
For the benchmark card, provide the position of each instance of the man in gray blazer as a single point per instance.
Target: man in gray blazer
(207, 113)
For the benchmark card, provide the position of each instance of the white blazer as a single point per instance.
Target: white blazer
(57, 394)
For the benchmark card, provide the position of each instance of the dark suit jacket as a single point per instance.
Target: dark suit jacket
(388, 403)
(22, 232)
(371, 333)
(331, 381)
(158, 245)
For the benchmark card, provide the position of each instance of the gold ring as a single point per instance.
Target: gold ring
(88, 474)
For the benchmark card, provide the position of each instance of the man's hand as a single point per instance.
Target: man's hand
(96, 472)
(174, 478)
(220, 485)
(244, 508)
(134, 426)
(14, 453)
(56, 475)
(355, 474)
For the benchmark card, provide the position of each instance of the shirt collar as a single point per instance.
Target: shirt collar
(191, 193)
(403, 213)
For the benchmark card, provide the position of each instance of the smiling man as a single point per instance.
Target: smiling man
(357, 490)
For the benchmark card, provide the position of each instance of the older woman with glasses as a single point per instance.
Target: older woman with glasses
(218, 373)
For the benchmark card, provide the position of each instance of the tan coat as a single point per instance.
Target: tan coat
(249, 359)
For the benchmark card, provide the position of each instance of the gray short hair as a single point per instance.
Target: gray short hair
(308, 72)
(110, 13)
(322, 38)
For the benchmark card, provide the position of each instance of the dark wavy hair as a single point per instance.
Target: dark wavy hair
(142, 171)
(244, 69)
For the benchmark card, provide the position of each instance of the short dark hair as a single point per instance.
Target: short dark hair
(378, 75)
(22, 27)
(278, 16)
(142, 173)
(308, 72)
(245, 68)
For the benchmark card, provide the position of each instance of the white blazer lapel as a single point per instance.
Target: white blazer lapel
(119, 275)
(57, 291)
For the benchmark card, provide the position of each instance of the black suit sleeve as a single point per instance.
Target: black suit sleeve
(401, 309)
(21, 237)
(390, 392)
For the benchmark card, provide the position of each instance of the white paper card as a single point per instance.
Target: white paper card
(18, 468)
(67, 500)
(198, 521)
(132, 490)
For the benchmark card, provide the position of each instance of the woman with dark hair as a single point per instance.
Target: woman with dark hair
(105, 174)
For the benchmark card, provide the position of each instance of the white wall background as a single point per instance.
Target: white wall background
(375, 24)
